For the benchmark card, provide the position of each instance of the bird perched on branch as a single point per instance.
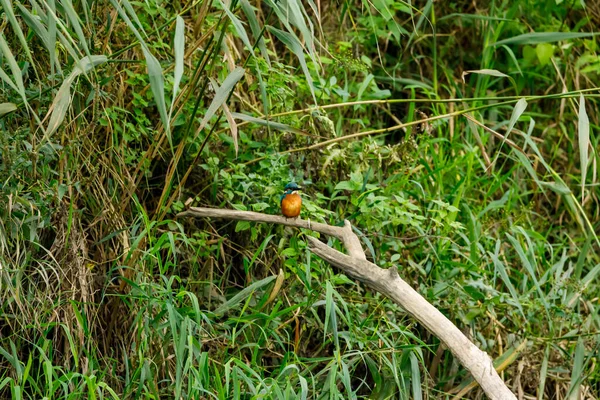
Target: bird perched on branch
(291, 202)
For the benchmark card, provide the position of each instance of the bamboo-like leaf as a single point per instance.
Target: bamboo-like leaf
(134, 16)
(270, 124)
(14, 67)
(222, 94)
(5, 108)
(417, 393)
(255, 28)
(74, 19)
(8, 81)
(276, 287)
(34, 23)
(257, 33)
(157, 84)
(292, 42)
(10, 14)
(513, 58)
(61, 102)
(179, 55)
(491, 72)
(51, 39)
(237, 24)
(516, 114)
(291, 14)
(230, 120)
(155, 72)
(584, 141)
(243, 294)
(543, 37)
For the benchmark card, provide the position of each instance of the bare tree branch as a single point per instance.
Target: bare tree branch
(387, 282)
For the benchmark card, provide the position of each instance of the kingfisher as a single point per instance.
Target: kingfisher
(291, 202)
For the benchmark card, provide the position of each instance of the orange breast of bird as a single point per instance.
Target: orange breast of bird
(291, 205)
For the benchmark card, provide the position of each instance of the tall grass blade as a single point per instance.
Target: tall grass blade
(34, 23)
(330, 315)
(501, 269)
(583, 130)
(577, 372)
(516, 114)
(134, 16)
(415, 376)
(51, 39)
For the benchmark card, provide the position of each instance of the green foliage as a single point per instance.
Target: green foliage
(115, 116)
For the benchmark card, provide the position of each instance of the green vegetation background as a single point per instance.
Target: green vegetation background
(460, 139)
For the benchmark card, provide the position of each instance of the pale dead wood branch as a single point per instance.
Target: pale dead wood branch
(387, 282)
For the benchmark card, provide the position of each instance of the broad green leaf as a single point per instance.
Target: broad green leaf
(5, 108)
(544, 52)
(543, 37)
(222, 94)
(583, 128)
